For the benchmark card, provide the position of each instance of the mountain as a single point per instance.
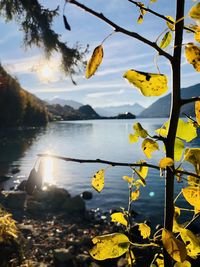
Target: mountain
(17, 106)
(85, 112)
(161, 107)
(64, 102)
(115, 110)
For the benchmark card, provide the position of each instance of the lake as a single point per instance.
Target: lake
(103, 139)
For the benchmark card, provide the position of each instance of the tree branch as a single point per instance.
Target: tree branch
(113, 163)
(117, 28)
(156, 14)
(189, 100)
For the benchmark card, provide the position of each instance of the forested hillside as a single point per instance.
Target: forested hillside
(17, 106)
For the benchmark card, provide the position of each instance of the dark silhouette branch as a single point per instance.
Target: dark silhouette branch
(190, 100)
(117, 28)
(114, 163)
(156, 14)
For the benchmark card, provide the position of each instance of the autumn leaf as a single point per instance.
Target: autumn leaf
(171, 26)
(174, 247)
(94, 61)
(145, 230)
(139, 130)
(149, 146)
(109, 246)
(192, 54)
(166, 162)
(183, 264)
(135, 195)
(98, 180)
(192, 243)
(197, 111)
(130, 257)
(133, 138)
(149, 84)
(192, 196)
(194, 13)
(166, 40)
(119, 217)
(128, 179)
(192, 155)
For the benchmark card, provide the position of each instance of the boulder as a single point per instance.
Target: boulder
(87, 195)
(35, 207)
(74, 205)
(14, 200)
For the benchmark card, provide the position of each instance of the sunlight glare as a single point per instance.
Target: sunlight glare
(48, 171)
(46, 73)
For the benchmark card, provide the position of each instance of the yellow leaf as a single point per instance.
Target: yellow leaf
(178, 149)
(130, 257)
(174, 247)
(183, 264)
(135, 195)
(139, 130)
(194, 13)
(166, 162)
(119, 217)
(192, 54)
(98, 180)
(197, 35)
(145, 230)
(192, 155)
(128, 179)
(153, 1)
(193, 181)
(160, 261)
(197, 111)
(109, 246)
(186, 131)
(192, 196)
(149, 146)
(139, 182)
(143, 170)
(94, 61)
(192, 243)
(140, 19)
(176, 226)
(133, 138)
(150, 84)
(171, 26)
(166, 40)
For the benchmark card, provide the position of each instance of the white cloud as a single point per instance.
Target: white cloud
(100, 94)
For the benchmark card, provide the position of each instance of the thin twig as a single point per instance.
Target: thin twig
(157, 14)
(118, 28)
(114, 163)
(190, 100)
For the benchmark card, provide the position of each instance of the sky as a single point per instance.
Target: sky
(107, 87)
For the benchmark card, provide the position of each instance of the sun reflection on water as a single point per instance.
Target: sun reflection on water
(48, 172)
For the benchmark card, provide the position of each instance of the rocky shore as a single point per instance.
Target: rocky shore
(54, 229)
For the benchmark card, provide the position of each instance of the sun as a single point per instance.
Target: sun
(46, 73)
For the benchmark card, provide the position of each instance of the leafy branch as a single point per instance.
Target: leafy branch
(115, 164)
(138, 4)
(118, 28)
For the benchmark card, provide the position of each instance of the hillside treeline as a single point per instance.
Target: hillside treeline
(18, 107)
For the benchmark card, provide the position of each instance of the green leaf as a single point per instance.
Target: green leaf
(149, 146)
(98, 180)
(166, 40)
(174, 247)
(149, 84)
(94, 61)
(119, 217)
(109, 246)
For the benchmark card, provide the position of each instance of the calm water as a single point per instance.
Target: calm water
(88, 140)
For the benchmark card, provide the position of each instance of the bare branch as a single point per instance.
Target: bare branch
(190, 100)
(114, 163)
(117, 28)
(156, 14)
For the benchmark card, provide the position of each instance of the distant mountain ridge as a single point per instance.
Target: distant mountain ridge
(64, 102)
(161, 107)
(115, 110)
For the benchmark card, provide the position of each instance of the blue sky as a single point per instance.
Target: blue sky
(107, 87)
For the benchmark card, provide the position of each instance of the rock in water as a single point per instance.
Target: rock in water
(87, 195)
